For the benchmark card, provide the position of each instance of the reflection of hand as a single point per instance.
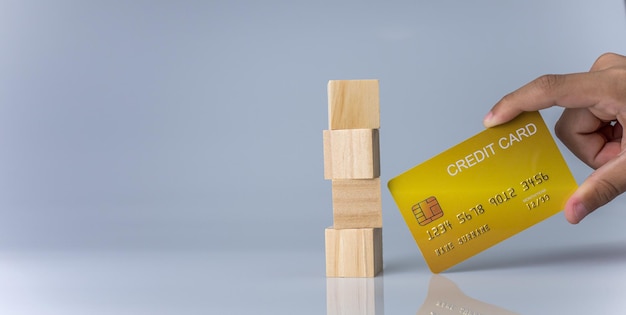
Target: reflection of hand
(590, 126)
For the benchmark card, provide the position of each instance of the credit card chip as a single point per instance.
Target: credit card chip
(427, 211)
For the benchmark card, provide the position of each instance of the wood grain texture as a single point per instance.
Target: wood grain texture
(357, 203)
(328, 160)
(356, 253)
(354, 154)
(353, 104)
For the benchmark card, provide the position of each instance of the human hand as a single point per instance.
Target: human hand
(590, 126)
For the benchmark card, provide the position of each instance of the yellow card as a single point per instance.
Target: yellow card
(484, 190)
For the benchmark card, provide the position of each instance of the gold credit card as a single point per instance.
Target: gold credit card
(483, 190)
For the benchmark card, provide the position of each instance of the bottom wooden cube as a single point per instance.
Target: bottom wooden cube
(354, 253)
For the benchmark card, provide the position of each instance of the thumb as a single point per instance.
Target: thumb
(602, 186)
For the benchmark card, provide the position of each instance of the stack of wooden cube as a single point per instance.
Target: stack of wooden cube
(352, 162)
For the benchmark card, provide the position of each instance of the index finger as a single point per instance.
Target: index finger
(574, 90)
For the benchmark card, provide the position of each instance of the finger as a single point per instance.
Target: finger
(606, 61)
(575, 90)
(588, 137)
(618, 134)
(606, 183)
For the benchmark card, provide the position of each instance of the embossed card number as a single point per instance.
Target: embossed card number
(482, 191)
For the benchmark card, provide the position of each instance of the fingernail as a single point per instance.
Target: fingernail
(580, 212)
(487, 121)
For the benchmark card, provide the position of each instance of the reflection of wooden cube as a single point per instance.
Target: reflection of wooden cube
(351, 154)
(357, 203)
(354, 253)
(355, 296)
(353, 104)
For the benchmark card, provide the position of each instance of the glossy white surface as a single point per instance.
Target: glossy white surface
(536, 272)
(574, 280)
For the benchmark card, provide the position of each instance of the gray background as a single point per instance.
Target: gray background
(195, 127)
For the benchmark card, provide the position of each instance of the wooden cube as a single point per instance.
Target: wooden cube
(354, 253)
(358, 296)
(351, 154)
(357, 203)
(353, 104)
(328, 159)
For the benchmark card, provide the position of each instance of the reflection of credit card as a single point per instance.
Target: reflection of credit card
(484, 190)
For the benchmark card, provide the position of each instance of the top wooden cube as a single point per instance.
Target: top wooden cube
(353, 104)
